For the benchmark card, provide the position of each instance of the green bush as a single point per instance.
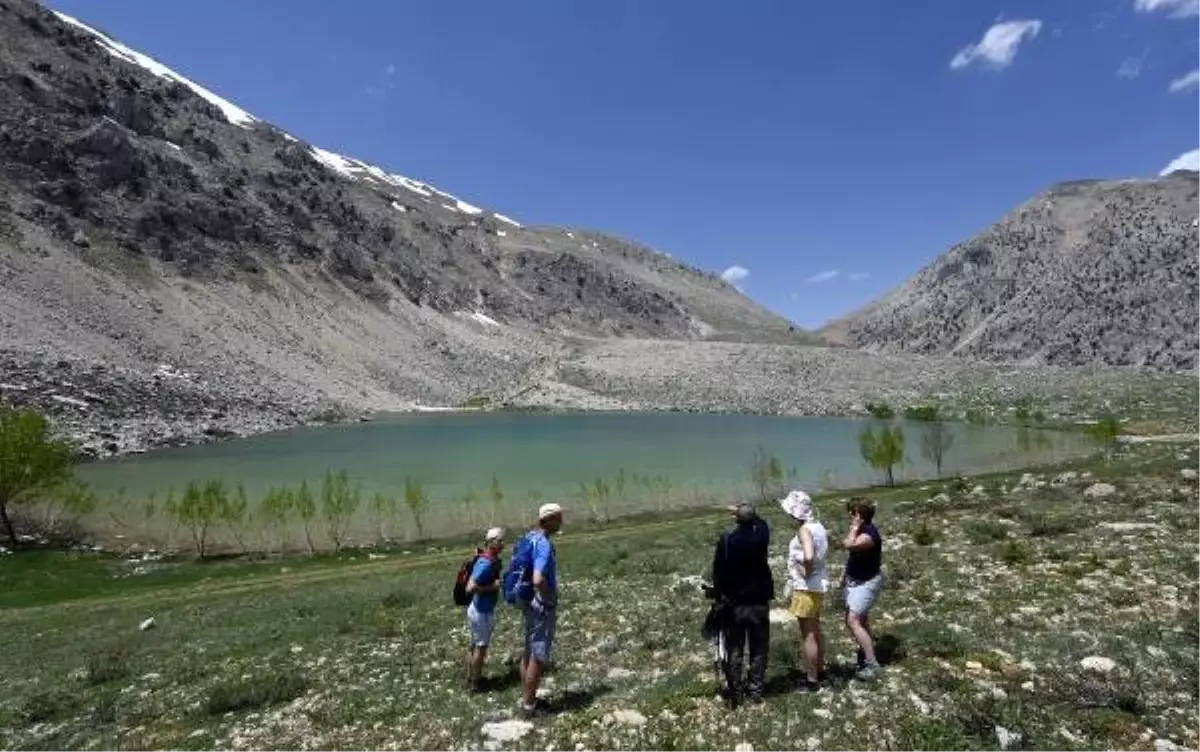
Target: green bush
(305, 507)
(924, 535)
(881, 410)
(416, 498)
(339, 501)
(1014, 553)
(882, 449)
(257, 692)
(986, 531)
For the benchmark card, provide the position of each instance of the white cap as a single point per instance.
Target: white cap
(494, 533)
(548, 510)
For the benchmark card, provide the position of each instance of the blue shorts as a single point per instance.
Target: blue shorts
(539, 629)
(860, 596)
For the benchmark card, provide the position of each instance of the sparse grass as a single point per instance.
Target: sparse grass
(255, 692)
(349, 652)
(986, 531)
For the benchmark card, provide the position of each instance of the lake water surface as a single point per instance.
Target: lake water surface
(548, 456)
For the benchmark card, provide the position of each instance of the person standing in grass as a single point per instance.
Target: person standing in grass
(742, 579)
(863, 581)
(807, 583)
(541, 608)
(484, 587)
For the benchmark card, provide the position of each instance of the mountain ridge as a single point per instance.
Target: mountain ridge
(1087, 271)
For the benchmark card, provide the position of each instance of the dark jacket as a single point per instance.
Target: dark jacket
(741, 574)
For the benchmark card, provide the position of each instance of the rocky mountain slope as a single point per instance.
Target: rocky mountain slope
(1088, 272)
(148, 226)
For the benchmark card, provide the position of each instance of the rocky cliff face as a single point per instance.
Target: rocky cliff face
(146, 223)
(1090, 272)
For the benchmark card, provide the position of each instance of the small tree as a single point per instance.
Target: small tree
(416, 498)
(234, 515)
(339, 501)
(275, 509)
(766, 472)
(383, 507)
(30, 460)
(1106, 432)
(199, 509)
(936, 436)
(881, 410)
(882, 449)
(306, 509)
(497, 496)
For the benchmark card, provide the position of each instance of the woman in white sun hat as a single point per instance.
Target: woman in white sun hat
(807, 583)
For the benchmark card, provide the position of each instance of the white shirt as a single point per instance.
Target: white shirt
(817, 582)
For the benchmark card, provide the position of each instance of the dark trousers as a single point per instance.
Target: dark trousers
(750, 624)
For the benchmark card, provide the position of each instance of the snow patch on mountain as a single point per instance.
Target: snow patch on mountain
(232, 112)
(348, 167)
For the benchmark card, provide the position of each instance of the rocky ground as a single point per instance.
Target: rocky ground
(1047, 610)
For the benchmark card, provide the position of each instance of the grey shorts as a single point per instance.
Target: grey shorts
(480, 625)
(540, 622)
(861, 596)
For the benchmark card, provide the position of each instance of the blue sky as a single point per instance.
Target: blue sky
(827, 150)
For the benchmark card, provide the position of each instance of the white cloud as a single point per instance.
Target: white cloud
(1131, 67)
(999, 44)
(858, 276)
(1189, 160)
(1173, 8)
(817, 279)
(735, 274)
(1187, 82)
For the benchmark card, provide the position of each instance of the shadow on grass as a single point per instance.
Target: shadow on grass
(498, 683)
(889, 649)
(579, 699)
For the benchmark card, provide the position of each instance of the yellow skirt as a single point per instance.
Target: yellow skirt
(806, 605)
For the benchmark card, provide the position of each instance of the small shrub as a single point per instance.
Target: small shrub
(306, 509)
(1014, 553)
(108, 665)
(416, 498)
(1047, 526)
(924, 534)
(47, 706)
(256, 692)
(986, 531)
(881, 410)
(339, 501)
(476, 402)
(399, 599)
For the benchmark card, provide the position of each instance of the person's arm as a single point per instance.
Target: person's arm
(718, 568)
(541, 562)
(856, 540)
(473, 586)
(806, 544)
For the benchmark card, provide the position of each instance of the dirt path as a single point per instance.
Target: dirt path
(233, 586)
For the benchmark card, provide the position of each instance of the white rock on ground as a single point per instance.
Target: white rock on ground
(619, 673)
(1165, 745)
(1098, 663)
(1100, 490)
(1008, 739)
(1188, 473)
(744, 747)
(148, 624)
(627, 717)
(781, 616)
(506, 731)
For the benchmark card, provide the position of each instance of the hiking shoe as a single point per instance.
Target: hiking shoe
(540, 709)
(869, 672)
(804, 686)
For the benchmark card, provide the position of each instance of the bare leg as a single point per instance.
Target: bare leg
(475, 667)
(531, 677)
(856, 625)
(810, 631)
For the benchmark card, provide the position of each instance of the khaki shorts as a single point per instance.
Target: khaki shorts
(806, 605)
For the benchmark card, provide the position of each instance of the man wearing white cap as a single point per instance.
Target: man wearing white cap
(541, 608)
(484, 586)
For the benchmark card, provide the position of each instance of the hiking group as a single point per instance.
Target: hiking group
(742, 590)
(531, 583)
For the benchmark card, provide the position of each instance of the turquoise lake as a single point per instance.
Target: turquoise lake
(547, 456)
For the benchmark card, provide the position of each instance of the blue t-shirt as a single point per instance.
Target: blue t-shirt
(544, 561)
(485, 572)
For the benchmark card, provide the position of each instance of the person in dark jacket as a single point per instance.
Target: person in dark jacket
(742, 579)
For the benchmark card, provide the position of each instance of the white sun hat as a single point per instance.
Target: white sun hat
(798, 505)
(548, 510)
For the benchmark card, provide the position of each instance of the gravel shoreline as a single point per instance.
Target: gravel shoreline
(112, 411)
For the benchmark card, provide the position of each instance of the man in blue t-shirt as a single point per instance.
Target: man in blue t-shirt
(484, 587)
(541, 611)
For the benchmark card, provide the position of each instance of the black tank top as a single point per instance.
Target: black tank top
(864, 565)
